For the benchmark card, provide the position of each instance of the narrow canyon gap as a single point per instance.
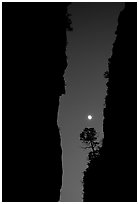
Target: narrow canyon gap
(89, 47)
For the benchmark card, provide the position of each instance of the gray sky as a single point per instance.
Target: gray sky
(88, 50)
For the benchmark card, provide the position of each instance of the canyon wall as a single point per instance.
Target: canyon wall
(112, 176)
(34, 61)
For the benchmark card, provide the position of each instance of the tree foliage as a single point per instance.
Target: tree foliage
(89, 137)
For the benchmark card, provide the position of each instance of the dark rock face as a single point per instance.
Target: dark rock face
(112, 177)
(34, 60)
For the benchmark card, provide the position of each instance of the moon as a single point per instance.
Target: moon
(89, 117)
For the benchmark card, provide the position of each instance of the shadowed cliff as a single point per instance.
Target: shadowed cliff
(34, 61)
(112, 177)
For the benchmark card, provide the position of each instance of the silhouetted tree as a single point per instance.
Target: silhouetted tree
(89, 137)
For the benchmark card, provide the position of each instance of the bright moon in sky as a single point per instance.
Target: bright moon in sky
(89, 117)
